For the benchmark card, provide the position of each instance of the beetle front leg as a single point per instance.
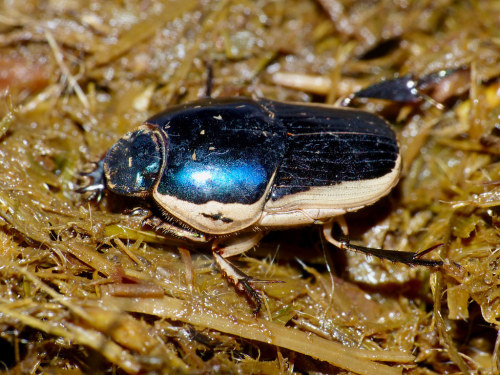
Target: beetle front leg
(173, 230)
(406, 257)
(96, 184)
(225, 247)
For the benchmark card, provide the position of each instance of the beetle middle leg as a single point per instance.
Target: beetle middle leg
(223, 248)
(406, 257)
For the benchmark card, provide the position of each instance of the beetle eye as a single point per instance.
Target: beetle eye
(132, 165)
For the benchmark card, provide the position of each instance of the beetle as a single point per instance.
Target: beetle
(225, 171)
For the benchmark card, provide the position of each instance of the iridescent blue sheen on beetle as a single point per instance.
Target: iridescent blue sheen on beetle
(221, 152)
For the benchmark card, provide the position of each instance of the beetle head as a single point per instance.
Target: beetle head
(132, 164)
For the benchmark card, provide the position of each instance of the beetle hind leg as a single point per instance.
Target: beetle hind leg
(406, 257)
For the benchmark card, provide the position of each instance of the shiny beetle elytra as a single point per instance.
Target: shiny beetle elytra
(226, 171)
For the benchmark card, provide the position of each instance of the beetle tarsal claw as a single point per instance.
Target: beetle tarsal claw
(252, 294)
(152, 221)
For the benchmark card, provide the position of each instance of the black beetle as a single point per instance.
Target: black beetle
(228, 170)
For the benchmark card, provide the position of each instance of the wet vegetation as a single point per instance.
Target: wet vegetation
(85, 289)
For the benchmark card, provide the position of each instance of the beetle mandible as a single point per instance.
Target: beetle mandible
(225, 171)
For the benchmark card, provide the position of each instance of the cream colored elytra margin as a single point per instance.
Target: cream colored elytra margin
(321, 203)
(199, 217)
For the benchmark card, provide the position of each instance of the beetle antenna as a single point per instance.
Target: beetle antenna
(210, 78)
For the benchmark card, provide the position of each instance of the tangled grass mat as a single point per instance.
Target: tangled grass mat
(85, 289)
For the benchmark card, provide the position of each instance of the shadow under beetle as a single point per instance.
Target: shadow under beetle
(225, 171)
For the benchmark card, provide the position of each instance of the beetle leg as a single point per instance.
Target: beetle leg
(163, 227)
(241, 281)
(401, 89)
(406, 257)
(96, 187)
(405, 89)
(229, 246)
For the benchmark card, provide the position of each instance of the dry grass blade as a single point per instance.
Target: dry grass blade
(352, 359)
